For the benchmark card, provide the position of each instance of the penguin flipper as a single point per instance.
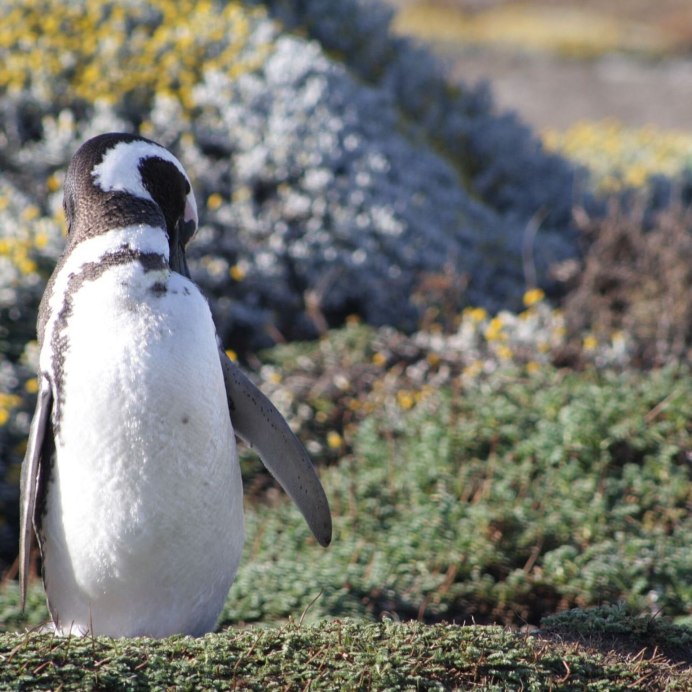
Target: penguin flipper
(260, 425)
(41, 429)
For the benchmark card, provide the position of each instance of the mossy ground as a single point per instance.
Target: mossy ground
(338, 654)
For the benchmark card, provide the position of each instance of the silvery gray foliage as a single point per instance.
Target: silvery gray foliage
(330, 194)
(344, 200)
(359, 177)
(506, 163)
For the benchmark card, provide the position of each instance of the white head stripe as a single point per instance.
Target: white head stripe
(119, 168)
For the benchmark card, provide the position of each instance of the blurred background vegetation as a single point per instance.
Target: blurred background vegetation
(604, 82)
(497, 447)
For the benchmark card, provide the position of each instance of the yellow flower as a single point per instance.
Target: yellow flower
(7, 403)
(475, 314)
(31, 385)
(379, 359)
(619, 155)
(26, 266)
(53, 183)
(214, 201)
(494, 331)
(590, 343)
(232, 354)
(237, 272)
(10, 400)
(533, 296)
(146, 128)
(405, 399)
(636, 175)
(41, 240)
(334, 440)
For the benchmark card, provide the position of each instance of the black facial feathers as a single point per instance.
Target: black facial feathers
(91, 210)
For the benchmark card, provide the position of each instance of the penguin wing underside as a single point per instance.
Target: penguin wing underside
(260, 425)
(41, 429)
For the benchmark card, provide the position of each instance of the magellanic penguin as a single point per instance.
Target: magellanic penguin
(131, 477)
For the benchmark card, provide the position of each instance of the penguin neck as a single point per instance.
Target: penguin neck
(113, 209)
(136, 238)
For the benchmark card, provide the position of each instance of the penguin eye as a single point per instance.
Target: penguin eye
(169, 188)
(188, 222)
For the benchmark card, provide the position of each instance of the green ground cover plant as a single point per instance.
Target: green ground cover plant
(501, 498)
(335, 655)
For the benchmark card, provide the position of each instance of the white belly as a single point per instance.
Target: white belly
(143, 528)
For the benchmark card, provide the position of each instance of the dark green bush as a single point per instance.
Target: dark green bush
(504, 500)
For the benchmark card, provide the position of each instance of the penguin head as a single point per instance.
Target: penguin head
(118, 179)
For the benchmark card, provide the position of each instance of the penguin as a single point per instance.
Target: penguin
(131, 479)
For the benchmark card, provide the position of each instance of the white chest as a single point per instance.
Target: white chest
(143, 527)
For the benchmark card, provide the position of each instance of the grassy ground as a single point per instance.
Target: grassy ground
(343, 655)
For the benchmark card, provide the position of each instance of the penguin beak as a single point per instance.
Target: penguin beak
(178, 261)
(184, 230)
